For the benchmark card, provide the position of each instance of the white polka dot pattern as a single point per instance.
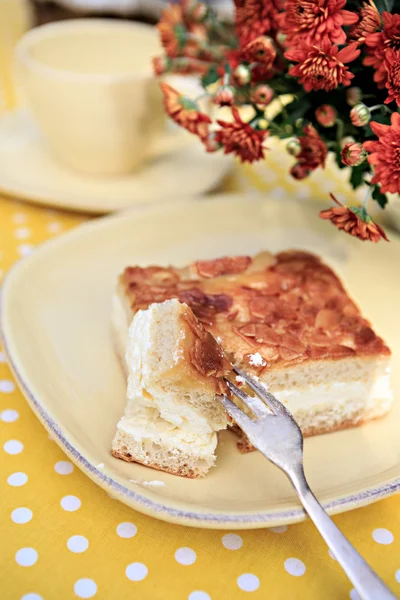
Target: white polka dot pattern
(17, 479)
(9, 415)
(126, 530)
(63, 467)
(136, 571)
(232, 541)
(77, 544)
(25, 249)
(26, 557)
(6, 386)
(22, 233)
(248, 582)
(85, 588)
(295, 567)
(21, 515)
(70, 503)
(383, 536)
(199, 595)
(13, 447)
(185, 556)
(278, 529)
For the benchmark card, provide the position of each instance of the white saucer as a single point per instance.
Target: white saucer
(30, 172)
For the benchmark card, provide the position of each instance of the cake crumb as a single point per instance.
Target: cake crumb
(240, 379)
(153, 483)
(256, 360)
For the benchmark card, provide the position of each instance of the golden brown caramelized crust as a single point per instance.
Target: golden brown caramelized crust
(268, 311)
(204, 354)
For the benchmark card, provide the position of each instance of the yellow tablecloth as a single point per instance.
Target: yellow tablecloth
(63, 537)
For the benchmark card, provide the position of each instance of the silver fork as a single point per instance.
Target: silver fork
(275, 433)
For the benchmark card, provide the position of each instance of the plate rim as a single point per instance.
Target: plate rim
(147, 504)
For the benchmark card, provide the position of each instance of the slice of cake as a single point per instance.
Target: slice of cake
(286, 319)
(174, 370)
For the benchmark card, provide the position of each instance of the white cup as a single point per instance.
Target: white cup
(90, 86)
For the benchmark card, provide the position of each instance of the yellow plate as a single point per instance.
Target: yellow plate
(29, 171)
(55, 323)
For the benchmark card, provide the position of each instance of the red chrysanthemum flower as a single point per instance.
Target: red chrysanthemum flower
(241, 139)
(185, 112)
(255, 18)
(378, 43)
(181, 65)
(176, 21)
(261, 50)
(171, 19)
(326, 115)
(385, 154)
(311, 21)
(355, 221)
(353, 154)
(370, 22)
(322, 68)
(392, 66)
(260, 73)
(313, 152)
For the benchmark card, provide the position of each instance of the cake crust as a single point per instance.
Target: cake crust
(268, 312)
(284, 318)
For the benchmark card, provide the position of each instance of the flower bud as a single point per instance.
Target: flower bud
(293, 147)
(353, 96)
(224, 96)
(262, 124)
(161, 64)
(281, 38)
(242, 74)
(326, 115)
(353, 154)
(210, 142)
(262, 94)
(300, 171)
(360, 115)
(199, 12)
(262, 50)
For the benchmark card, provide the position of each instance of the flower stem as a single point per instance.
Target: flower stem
(379, 106)
(283, 108)
(366, 199)
(385, 2)
(339, 130)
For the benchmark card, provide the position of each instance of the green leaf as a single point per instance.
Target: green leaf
(357, 176)
(181, 35)
(380, 198)
(210, 77)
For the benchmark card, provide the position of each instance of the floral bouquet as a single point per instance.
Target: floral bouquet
(339, 62)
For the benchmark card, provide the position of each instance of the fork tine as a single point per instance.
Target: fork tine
(256, 405)
(261, 391)
(236, 413)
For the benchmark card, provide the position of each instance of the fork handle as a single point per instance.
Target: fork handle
(367, 583)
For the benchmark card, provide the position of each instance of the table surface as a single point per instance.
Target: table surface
(63, 537)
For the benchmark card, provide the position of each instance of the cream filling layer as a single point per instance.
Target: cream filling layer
(144, 424)
(343, 394)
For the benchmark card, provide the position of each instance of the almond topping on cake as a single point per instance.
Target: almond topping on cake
(286, 319)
